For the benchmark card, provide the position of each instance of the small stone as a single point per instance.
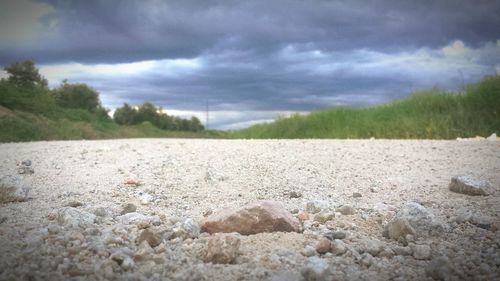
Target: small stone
(346, 210)
(371, 246)
(128, 208)
(72, 217)
(132, 182)
(186, 229)
(303, 216)
(324, 216)
(138, 219)
(475, 218)
(422, 252)
(222, 249)
(74, 204)
(357, 195)
(469, 185)
(314, 207)
(440, 268)
(144, 251)
(12, 189)
(323, 246)
(422, 220)
(152, 237)
(102, 212)
(338, 247)
(402, 251)
(127, 264)
(25, 170)
(366, 259)
(262, 216)
(335, 235)
(146, 199)
(26, 162)
(399, 228)
(316, 269)
(492, 137)
(308, 251)
(386, 253)
(294, 194)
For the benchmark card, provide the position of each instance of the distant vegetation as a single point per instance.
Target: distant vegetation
(432, 114)
(29, 110)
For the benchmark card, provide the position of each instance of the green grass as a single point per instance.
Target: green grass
(432, 114)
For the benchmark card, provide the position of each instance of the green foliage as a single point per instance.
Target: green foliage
(77, 96)
(433, 114)
(24, 74)
(148, 112)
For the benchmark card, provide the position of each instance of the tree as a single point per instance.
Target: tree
(25, 74)
(77, 96)
(125, 115)
(148, 112)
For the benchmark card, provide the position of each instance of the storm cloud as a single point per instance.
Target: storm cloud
(254, 60)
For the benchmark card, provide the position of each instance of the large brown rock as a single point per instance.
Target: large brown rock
(262, 216)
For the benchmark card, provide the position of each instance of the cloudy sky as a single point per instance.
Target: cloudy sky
(253, 60)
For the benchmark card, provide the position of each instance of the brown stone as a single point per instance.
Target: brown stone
(152, 237)
(323, 246)
(262, 216)
(222, 249)
(303, 216)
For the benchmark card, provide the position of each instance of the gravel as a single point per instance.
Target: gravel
(141, 203)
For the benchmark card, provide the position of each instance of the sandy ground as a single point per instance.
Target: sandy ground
(181, 178)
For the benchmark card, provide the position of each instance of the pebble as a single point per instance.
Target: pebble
(185, 229)
(72, 217)
(469, 185)
(422, 252)
(308, 251)
(335, 235)
(439, 268)
(222, 249)
(338, 247)
(324, 216)
(25, 170)
(398, 229)
(323, 246)
(128, 208)
(315, 206)
(26, 162)
(13, 188)
(346, 210)
(316, 269)
(294, 194)
(357, 195)
(151, 236)
(303, 216)
(366, 259)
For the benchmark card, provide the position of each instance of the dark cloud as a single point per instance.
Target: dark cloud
(124, 31)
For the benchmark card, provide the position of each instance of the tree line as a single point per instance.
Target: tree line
(26, 89)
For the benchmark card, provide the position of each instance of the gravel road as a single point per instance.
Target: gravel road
(171, 180)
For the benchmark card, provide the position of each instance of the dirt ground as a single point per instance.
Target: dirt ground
(170, 180)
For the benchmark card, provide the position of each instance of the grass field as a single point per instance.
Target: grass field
(432, 114)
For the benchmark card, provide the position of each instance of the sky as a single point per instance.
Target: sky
(253, 61)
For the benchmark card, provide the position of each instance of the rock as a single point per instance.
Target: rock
(371, 246)
(402, 251)
(440, 268)
(492, 137)
(469, 185)
(128, 208)
(186, 229)
(346, 210)
(303, 216)
(314, 207)
(123, 259)
(72, 217)
(475, 218)
(423, 222)
(357, 195)
(144, 251)
(139, 219)
(12, 189)
(308, 251)
(262, 216)
(294, 194)
(146, 198)
(26, 162)
(338, 247)
(335, 235)
(74, 204)
(102, 212)
(398, 228)
(323, 246)
(25, 170)
(316, 269)
(366, 259)
(151, 236)
(422, 252)
(324, 216)
(386, 253)
(222, 249)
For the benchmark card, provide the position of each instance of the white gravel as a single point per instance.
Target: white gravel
(184, 178)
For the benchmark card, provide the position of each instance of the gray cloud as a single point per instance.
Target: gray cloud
(258, 56)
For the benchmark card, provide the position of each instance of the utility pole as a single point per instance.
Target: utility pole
(206, 118)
